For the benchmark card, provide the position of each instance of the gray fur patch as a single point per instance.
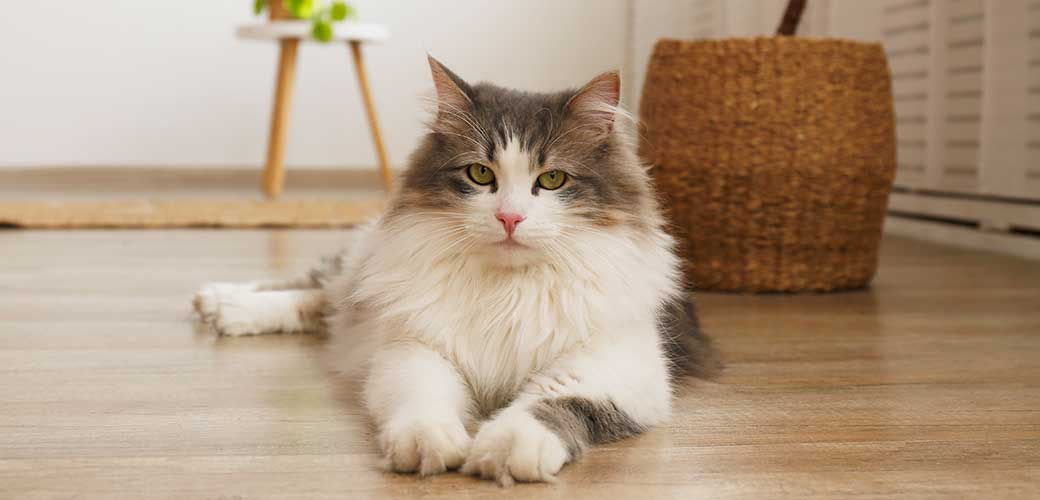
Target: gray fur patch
(689, 351)
(581, 422)
(606, 186)
(329, 268)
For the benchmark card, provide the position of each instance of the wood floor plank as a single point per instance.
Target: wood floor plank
(926, 385)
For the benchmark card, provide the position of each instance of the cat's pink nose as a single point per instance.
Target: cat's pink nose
(509, 221)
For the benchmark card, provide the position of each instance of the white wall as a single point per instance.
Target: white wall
(161, 82)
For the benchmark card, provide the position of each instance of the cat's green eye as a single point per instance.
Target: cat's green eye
(480, 174)
(551, 180)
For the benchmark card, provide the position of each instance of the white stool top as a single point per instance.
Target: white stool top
(341, 31)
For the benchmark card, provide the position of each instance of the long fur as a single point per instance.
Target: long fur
(563, 337)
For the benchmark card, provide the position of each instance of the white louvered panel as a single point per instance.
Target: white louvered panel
(910, 156)
(965, 35)
(897, 41)
(907, 8)
(1010, 153)
(963, 81)
(980, 99)
(961, 129)
(905, 31)
(915, 132)
(910, 11)
(912, 105)
(910, 82)
(911, 151)
(906, 62)
(963, 103)
(966, 55)
(959, 74)
(963, 157)
(900, 27)
(1031, 187)
(962, 8)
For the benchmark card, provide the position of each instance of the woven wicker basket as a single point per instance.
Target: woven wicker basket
(775, 157)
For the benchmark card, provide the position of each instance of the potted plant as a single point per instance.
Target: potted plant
(321, 13)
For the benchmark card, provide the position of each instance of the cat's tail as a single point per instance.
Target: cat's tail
(690, 352)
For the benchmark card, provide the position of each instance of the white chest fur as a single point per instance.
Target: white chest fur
(498, 326)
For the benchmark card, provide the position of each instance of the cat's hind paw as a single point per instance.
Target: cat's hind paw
(235, 318)
(516, 447)
(207, 300)
(222, 306)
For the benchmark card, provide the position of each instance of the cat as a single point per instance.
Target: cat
(520, 283)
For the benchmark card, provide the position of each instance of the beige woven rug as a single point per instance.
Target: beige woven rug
(188, 213)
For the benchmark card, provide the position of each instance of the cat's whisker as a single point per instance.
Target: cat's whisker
(407, 221)
(581, 229)
(432, 213)
(447, 248)
(449, 160)
(445, 321)
(429, 219)
(466, 118)
(567, 132)
(582, 166)
(552, 125)
(479, 146)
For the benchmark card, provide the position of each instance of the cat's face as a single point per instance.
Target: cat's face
(517, 177)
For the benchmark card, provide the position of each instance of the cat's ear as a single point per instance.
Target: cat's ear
(452, 91)
(597, 102)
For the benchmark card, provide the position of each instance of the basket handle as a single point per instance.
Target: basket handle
(792, 17)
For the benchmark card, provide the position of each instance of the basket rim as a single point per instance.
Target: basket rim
(667, 44)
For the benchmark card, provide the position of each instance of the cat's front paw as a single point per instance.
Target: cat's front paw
(424, 446)
(516, 447)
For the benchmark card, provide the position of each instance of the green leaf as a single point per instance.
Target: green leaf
(322, 30)
(300, 9)
(258, 6)
(340, 11)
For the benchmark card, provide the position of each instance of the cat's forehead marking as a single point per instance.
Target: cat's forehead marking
(513, 159)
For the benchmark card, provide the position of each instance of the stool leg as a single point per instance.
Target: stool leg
(373, 121)
(274, 172)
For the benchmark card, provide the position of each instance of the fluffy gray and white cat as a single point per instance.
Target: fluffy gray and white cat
(520, 284)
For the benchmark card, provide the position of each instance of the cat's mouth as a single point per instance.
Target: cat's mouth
(509, 243)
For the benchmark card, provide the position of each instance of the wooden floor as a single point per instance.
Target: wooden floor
(925, 386)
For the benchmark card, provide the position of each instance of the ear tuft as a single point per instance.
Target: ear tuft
(597, 101)
(452, 91)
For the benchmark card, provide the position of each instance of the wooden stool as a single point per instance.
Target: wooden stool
(289, 33)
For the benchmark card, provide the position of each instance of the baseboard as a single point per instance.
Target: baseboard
(977, 221)
(990, 212)
(178, 177)
(964, 235)
(163, 183)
